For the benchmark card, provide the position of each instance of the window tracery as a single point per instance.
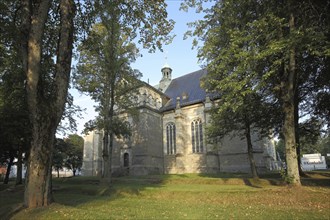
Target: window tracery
(170, 139)
(197, 136)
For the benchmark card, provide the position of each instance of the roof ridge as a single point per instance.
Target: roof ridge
(188, 84)
(185, 75)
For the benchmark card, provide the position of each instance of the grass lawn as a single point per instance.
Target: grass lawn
(225, 196)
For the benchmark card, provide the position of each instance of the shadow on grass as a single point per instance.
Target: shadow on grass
(76, 191)
(313, 178)
(80, 190)
(316, 178)
(273, 179)
(318, 173)
(11, 199)
(316, 182)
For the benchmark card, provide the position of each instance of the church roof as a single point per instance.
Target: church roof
(187, 87)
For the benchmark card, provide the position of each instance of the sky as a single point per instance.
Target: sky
(180, 57)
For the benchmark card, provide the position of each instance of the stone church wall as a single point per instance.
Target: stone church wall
(233, 154)
(145, 152)
(229, 156)
(144, 148)
(92, 160)
(185, 161)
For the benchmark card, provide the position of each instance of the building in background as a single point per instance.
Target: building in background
(313, 162)
(168, 136)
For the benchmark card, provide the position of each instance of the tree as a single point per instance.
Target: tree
(68, 122)
(59, 155)
(310, 134)
(324, 146)
(103, 71)
(14, 126)
(264, 43)
(104, 67)
(46, 85)
(68, 153)
(243, 119)
(74, 152)
(312, 139)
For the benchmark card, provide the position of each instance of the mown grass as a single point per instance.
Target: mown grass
(192, 196)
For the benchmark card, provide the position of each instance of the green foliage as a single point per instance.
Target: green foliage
(15, 128)
(59, 154)
(68, 122)
(246, 44)
(246, 40)
(324, 146)
(68, 153)
(74, 152)
(105, 74)
(309, 135)
(104, 70)
(309, 145)
(278, 50)
(286, 178)
(320, 145)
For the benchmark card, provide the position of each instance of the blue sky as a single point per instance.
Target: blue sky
(180, 56)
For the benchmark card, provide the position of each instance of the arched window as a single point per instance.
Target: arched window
(126, 160)
(170, 138)
(197, 136)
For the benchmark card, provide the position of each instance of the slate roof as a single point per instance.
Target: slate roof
(187, 85)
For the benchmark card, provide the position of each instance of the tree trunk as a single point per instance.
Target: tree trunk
(105, 155)
(112, 27)
(296, 115)
(250, 150)
(58, 173)
(10, 163)
(38, 181)
(19, 165)
(110, 156)
(289, 130)
(45, 114)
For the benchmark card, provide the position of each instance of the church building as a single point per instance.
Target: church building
(169, 135)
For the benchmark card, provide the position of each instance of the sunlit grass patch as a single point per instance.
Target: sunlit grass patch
(189, 196)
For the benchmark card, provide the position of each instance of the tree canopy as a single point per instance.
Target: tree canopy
(68, 153)
(267, 47)
(37, 41)
(104, 70)
(15, 129)
(74, 153)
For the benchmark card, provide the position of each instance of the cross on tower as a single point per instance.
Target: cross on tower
(166, 54)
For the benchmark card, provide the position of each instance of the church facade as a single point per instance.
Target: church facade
(168, 135)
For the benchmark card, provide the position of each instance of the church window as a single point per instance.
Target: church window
(126, 160)
(170, 139)
(197, 136)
